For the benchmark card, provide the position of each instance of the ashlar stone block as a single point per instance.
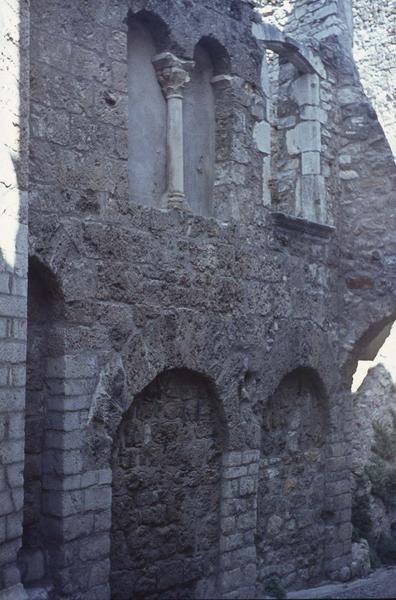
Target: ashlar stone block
(305, 137)
(310, 163)
(313, 113)
(306, 90)
(262, 137)
(310, 197)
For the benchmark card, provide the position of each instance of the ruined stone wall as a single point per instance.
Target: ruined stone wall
(373, 403)
(238, 301)
(368, 180)
(147, 290)
(315, 20)
(13, 278)
(373, 465)
(374, 52)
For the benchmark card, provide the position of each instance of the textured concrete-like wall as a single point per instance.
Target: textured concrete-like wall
(14, 66)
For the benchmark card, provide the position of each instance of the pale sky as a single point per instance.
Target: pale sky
(386, 356)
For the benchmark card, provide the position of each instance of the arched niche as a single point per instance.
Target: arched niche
(201, 124)
(200, 134)
(146, 111)
(45, 310)
(291, 493)
(166, 491)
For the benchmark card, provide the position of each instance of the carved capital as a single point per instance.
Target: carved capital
(173, 73)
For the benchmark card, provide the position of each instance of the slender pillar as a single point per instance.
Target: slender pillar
(173, 74)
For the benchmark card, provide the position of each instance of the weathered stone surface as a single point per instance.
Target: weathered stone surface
(305, 137)
(284, 264)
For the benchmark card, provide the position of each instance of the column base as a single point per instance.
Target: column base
(16, 592)
(178, 202)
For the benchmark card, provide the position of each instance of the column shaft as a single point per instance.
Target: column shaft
(173, 75)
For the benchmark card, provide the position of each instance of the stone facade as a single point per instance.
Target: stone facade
(211, 250)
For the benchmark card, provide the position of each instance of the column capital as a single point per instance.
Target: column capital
(173, 73)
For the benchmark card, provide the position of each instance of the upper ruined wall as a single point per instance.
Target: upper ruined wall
(375, 54)
(311, 19)
(368, 24)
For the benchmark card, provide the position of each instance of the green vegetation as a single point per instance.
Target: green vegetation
(383, 482)
(361, 518)
(385, 439)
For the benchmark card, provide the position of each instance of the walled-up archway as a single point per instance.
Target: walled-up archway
(44, 310)
(166, 491)
(290, 527)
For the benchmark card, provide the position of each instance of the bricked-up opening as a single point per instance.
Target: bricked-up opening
(291, 496)
(166, 491)
(147, 112)
(44, 310)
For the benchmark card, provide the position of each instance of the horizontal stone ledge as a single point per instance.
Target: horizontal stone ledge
(304, 226)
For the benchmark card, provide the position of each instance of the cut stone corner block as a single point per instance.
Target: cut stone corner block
(306, 90)
(305, 137)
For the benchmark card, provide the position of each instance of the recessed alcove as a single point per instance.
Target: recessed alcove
(147, 115)
(166, 491)
(200, 134)
(291, 493)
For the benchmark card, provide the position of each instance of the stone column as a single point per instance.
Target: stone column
(173, 75)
